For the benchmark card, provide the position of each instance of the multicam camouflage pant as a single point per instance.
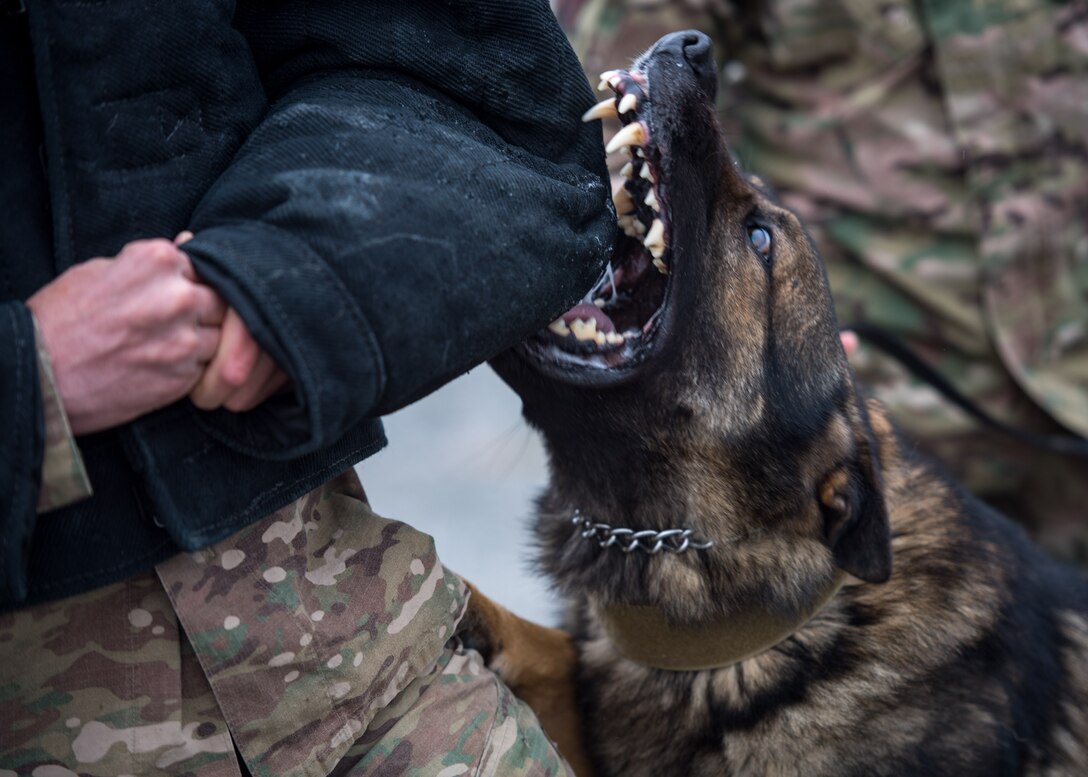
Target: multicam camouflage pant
(316, 641)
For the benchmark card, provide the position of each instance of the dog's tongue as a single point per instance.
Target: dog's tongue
(586, 311)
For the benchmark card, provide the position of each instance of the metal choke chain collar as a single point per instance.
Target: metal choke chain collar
(648, 541)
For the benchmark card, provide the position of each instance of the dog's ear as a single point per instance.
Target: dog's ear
(855, 518)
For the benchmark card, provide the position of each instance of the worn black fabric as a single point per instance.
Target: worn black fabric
(388, 193)
(21, 454)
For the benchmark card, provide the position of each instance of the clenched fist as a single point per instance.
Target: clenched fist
(127, 335)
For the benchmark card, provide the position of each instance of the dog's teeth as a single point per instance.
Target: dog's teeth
(559, 326)
(645, 173)
(583, 329)
(600, 302)
(606, 79)
(651, 200)
(657, 233)
(628, 103)
(601, 338)
(632, 227)
(622, 200)
(661, 266)
(655, 239)
(627, 171)
(614, 338)
(638, 153)
(631, 135)
(606, 109)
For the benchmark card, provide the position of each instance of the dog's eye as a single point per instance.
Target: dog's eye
(761, 240)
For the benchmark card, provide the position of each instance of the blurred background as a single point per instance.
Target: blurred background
(463, 466)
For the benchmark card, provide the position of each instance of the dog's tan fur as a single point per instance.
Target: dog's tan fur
(955, 647)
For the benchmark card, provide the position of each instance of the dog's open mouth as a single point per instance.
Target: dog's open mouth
(616, 322)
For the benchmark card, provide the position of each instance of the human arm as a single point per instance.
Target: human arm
(420, 196)
(115, 339)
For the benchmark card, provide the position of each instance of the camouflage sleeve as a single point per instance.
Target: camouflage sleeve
(64, 478)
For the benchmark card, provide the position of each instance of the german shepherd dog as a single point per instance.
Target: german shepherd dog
(762, 578)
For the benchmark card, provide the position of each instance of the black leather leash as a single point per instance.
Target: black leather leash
(1067, 445)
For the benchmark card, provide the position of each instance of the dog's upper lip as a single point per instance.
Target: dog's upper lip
(611, 336)
(611, 331)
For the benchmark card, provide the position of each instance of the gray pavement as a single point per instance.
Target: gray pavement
(463, 466)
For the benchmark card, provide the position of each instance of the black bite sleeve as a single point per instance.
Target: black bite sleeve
(421, 196)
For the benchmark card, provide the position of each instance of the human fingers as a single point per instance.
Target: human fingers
(209, 307)
(260, 385)
(849, 341)
(274, 385)
(231, 366)
(207, 343)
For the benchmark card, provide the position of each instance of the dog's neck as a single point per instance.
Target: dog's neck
(642, 634)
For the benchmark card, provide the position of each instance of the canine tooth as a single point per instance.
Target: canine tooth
(631, 135)
(661, 266)
(651, 200)
(584, 329)
(627, 170)
(628, 103)
(622, 200)
(607, 78)
(638, 153)
(605, 109)
(559, 326)
(655, 238)
(645, 173)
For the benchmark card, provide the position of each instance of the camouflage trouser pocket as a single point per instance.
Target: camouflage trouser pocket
(308, 623)
(457, 719)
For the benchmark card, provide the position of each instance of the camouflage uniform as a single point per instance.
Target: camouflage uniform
(938, 151)
(318, 640)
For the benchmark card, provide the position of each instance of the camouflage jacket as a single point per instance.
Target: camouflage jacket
(938, 151)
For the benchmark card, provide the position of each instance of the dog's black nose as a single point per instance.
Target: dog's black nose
(696, 49)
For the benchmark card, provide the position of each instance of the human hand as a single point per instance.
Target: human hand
(241, 375)
(127, 335)
(849, 340)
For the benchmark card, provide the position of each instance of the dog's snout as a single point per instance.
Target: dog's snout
(697, 50)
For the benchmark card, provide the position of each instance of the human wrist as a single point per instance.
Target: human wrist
(64, 477)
